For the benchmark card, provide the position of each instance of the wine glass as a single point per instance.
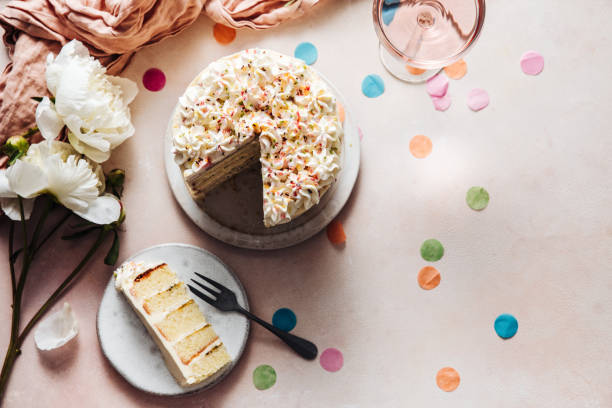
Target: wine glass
(420, 37)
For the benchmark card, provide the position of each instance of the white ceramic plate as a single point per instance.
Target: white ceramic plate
(233, 213)
(130, 349)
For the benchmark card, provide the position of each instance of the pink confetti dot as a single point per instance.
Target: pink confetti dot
(154, 79)
(441, 103)
(437, 85)
(532, 63)
(331, 359)
(478, 99)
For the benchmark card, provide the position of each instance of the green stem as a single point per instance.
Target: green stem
(14, 344)
(40, 224)
(11, 262)
(59, 291)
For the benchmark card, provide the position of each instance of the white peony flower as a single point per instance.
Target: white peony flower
(57, 169)
(9, 202)
(93, 105)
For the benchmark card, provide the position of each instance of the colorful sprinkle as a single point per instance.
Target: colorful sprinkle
(224, 34)
(448, 379)
(340, 110)
(335, 232)
(532, 63)
(415, 71)
(420, 146)
(307, 52)
(477, 198)
(441, 103)
(506, 326)
(264, 377)
(432, 250)
(154, 79)
(437, 85)
(478, 99)
(331, 360)
(428, 278)
(372, 86)
(284, 319)
(456, 70)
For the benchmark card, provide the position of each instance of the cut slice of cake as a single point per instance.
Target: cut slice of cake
(192, 350)
(260, 106)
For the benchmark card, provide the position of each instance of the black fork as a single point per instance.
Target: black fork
(224, 299)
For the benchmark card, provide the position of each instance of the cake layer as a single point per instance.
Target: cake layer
(182, 321)
(169, 299)
(152, 280)
(195, 343)
(200, 183)
(212, 362)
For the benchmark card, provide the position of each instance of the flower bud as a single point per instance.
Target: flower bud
(115, 180)
(15, 147)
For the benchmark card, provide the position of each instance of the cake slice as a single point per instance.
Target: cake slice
(192, 350)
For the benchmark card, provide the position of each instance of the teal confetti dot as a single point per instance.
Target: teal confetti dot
(372, 86)
(307, 52)
(432, 250)
(284, 319)
(506, 326)
(264, 377)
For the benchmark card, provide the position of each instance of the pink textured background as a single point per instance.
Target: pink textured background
(540, 251)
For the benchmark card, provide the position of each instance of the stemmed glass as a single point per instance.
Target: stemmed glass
(420, 37)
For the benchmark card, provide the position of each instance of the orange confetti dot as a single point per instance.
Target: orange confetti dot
(428, 278)
(456, 70)
(224, 34)
(414, 70)
(420, 146)
(448, 379)
(340, 109)
(335, 232)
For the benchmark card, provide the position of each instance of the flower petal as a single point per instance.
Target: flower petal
(48, 121)
(10, 206)
(91, 152)
(105, 209)
(56, 330)
(129, 89)
(5, 189)
(26, 179)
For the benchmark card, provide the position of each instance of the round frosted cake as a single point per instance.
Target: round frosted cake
(260, 106)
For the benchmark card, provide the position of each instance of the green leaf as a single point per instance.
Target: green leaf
(113, 252)
(37, 98)
(80, 233)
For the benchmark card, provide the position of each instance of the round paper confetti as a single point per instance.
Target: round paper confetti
(441, 103)
(532, 63)
(478, 99)
(428, 278)
(372, 86)
(264, 377)
(506, 326)
(432, 250)
(420, 146)
(154, 79)
(448, 379)
(224, 34)
(477, 198)
(331, 359)
(335, 232)
(340, 110)
(456, 70)
(414, 70)
(284, 319)
(307, 52)
(437, 85)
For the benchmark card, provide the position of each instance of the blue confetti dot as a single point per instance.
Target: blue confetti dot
(307, 52)
(506, 326)
(372, 86)
(388, 12)
(284, 319)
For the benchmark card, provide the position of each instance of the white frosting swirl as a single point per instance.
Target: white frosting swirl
(280, 100)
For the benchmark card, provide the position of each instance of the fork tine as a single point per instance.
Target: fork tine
(212, 282)
(202, 296)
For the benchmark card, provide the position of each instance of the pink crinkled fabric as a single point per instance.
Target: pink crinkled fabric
(113, 30)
